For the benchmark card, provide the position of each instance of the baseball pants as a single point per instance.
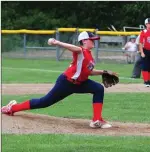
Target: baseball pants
(146, 61)
(64, 88)
(131, 57)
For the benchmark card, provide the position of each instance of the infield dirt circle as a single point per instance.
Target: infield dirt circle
(25, 123)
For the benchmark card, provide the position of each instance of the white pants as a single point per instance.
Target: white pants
(131, 56)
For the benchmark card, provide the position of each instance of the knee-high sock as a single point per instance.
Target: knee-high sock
(145, 75)
(97, 111)
(21, 106)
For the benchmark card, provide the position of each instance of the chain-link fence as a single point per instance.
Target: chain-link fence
(109, 48)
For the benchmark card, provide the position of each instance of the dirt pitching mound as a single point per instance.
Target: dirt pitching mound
(25, 123)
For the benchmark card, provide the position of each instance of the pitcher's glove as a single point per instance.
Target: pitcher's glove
(109, 78)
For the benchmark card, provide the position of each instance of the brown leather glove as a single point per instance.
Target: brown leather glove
(109, 78)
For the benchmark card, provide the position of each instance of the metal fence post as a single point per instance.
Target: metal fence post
(24, 44)
(96, 47)
(76, 37)
(125, 39)
(57, 47)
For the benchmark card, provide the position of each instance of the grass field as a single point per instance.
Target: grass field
(46, 71)
(73, 143)
(132, 107)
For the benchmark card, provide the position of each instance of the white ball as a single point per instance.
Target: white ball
(50, 40)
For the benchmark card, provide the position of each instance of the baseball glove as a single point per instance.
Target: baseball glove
(109, 78)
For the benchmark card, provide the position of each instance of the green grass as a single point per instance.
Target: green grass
(132, 107)
(73, 143)
(46, 71)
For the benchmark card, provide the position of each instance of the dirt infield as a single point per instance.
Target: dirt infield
(24, 123)
(44, 88)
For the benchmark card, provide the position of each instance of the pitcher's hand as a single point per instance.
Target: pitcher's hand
(52, 41)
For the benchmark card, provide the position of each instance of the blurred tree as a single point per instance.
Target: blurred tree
(52, 14)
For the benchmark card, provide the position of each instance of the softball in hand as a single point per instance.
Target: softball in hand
(50, 41)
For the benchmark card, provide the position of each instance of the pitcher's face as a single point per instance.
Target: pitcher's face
(89, 44)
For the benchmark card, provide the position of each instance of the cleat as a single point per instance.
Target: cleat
(147, 84)
(7, 109)
(100, 124)
(95, 124)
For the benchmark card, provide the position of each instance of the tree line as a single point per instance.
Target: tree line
(47, 15)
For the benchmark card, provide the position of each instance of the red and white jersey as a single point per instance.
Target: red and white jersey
(81, 66)
(145, 39)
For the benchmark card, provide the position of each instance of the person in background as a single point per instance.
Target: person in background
(136, 73)
(131, 49)
(144, 47)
